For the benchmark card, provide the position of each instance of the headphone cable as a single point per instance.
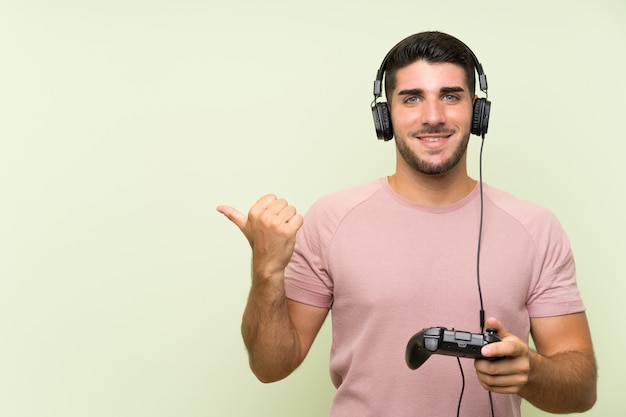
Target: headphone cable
(480, 236)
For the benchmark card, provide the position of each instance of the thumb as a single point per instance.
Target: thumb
(493, 323)
(234, 216)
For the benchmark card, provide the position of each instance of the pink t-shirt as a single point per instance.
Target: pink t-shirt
(388, 268)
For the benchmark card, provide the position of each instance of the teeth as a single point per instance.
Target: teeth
(431, 139)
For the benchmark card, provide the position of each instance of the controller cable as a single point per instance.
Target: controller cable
(458, 407)
(480, 292)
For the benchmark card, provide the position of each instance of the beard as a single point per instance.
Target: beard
(427, 168)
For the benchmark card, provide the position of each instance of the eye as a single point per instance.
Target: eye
(450, 97)
(411, 100)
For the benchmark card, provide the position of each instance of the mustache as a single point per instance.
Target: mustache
(433, 131)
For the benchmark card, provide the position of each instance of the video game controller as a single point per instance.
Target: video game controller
(441, 341)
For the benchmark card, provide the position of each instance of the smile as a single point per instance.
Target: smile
(433, 139)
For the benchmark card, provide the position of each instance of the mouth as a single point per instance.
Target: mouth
(437, 138)
(432, 141)
(433, 135)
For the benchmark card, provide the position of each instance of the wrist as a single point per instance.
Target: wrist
(534, 365)
(264, 273)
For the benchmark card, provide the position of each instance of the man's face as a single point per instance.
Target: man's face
(431, 113)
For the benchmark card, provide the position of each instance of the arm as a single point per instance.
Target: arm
(277, 332)
(560, 377)
(279, 335)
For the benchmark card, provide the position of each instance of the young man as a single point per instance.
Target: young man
(400, 254)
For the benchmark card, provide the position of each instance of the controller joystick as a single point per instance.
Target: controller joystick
(441, 341)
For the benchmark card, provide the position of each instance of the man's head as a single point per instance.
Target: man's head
(430, 83)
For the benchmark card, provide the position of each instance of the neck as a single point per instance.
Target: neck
(432, 190)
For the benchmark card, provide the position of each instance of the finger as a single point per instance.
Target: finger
(265, 202)
(281, 208)
(502, 379)
(277, 210)
(262, 205)
(509, 346)
(234, 216)
(493, 323)
(296, 221)
(291, 217)
(284, 212)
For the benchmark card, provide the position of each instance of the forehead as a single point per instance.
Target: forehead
(429, 76)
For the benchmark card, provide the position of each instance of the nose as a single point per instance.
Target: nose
(433, 113)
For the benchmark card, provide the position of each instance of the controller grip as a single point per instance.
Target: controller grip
(416, 355)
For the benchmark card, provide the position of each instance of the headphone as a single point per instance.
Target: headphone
(382, 118)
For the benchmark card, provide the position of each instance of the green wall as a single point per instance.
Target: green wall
(123, 124)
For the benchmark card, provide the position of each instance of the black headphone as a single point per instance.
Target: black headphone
(382, 118)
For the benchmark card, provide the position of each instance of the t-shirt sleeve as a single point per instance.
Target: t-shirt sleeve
(555, 292)
(307, 278)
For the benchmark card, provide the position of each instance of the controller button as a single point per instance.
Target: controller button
(465, 336)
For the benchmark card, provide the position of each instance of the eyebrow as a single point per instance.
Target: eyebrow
(419, 91)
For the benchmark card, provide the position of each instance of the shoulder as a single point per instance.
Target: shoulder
(522, 210)
(338, 204)
(539, 222)
(327, 214)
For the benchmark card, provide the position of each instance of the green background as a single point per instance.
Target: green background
(123, 124)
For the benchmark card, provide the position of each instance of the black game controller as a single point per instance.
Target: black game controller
(441, 341)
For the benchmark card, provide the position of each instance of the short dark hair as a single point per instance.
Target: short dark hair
(436, 47)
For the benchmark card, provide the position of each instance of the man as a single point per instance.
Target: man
(400, 254)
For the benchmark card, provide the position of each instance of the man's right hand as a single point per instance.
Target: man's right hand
(270, 227)
(277, 332)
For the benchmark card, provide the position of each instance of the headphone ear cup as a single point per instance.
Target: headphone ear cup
(480, 117)
(382, 121)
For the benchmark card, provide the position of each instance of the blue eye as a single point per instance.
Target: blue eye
(411, 100)
(449, 97)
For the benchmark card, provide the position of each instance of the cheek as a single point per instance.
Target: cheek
(401, 119)
(459, 118)
(462, 116)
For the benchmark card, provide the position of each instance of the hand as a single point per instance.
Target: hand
(509, 374)
(270, 227)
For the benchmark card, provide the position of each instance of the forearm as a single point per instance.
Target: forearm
(562, 383)
(270, 338)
